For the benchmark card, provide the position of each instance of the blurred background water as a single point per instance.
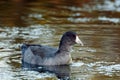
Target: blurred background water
(97, 23)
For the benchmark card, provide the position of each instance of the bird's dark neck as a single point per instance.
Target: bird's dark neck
(64, 47)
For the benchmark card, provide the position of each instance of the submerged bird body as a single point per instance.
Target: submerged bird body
(46, 55)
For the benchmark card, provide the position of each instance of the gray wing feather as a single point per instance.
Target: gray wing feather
(43, 51)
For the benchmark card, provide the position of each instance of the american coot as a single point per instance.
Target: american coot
(45, 55)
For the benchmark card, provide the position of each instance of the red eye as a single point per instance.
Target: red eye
(73, 36)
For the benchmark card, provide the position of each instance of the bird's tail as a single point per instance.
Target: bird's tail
(24, 48)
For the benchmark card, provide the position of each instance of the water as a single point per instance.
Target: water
(44, 22)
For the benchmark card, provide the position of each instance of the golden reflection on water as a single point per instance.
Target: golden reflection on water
(24, 13)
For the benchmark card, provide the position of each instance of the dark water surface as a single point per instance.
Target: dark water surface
(97, 23)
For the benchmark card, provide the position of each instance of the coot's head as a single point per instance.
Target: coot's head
(70, 38)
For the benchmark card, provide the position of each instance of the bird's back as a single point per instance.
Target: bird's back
(35, 54)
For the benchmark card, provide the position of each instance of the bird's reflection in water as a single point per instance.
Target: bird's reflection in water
(62, 71)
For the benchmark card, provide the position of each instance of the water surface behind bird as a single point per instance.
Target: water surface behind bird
(43, 22)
